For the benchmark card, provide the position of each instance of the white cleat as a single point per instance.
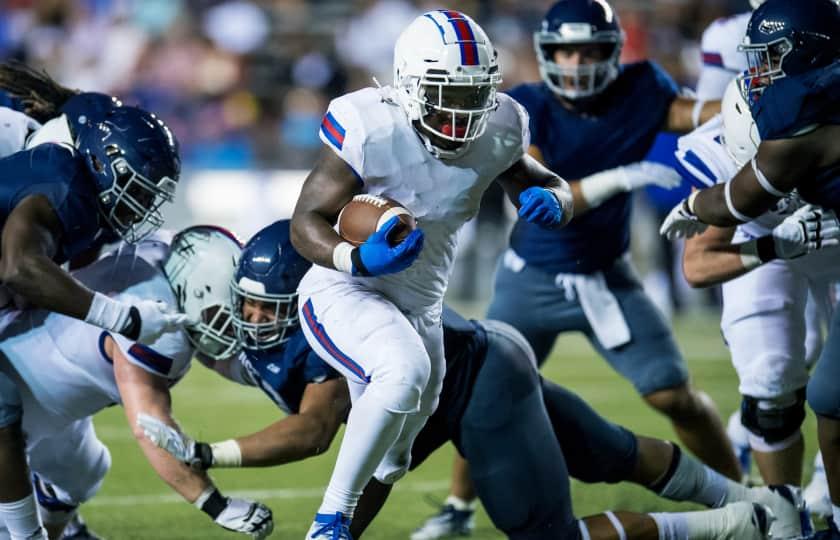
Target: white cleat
(739, 521)
(816, 492)
(792, 521)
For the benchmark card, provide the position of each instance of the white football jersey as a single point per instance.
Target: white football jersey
(15, 127)
(721, 59)
(370, 132)
(703, 154)
(61, 360)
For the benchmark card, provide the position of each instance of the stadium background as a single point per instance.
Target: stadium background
(243, 84)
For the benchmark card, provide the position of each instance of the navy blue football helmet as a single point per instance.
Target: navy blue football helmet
(264, 288)
(133, 158)
(789, 37)
(572, 23)
(87, 108)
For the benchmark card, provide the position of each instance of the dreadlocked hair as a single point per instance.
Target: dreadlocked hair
(40, 95)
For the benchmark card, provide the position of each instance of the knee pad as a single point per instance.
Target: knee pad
(390, 472)
(775, 420)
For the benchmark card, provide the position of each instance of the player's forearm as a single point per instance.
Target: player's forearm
(713, 266)
(314, 238)
(185, 481)
(45, 285)
(710, 207)
(294, 438)
(685, 114)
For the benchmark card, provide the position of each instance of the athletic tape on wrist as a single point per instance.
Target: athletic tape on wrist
(727, 191)
(765, 183)
(226, 454)
(108, 313)
(749, 255)
(342, 257)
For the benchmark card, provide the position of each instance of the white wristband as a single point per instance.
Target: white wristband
(597, 188)
(199, 502)
(226, 454)
(107, 313)
(749, 255)
(727, 192)
(342, 260)
(696, 111)
(691, 199)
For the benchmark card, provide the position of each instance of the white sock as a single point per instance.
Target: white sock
(371, 430)
(460, 504)
(693, 481)
(835, 514)
(671, 525)
(22, 518)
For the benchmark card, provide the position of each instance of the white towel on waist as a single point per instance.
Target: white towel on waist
(600, 306)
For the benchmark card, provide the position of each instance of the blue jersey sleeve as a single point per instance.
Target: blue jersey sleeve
(56, 173)
(533, 98)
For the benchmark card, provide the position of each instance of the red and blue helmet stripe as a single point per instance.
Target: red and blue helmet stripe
(465, 35)
(333, 130)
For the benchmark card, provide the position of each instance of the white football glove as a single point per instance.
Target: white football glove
(197, 455)
(597, 188)
(247, 517)
(808, 229)
(681, 223)
(155, 319)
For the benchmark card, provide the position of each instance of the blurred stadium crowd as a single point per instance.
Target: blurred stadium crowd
(244, 83)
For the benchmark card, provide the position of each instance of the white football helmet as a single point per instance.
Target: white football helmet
(740, 134)
(755, 3)
(446, 72)
(201, 263)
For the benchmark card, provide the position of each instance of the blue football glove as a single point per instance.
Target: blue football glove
(377, 256)
(540, 206)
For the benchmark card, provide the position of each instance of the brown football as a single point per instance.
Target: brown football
(366, 213)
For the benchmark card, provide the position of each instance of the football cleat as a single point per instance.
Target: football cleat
(447, 523)
(77, 529)
(330, 527)
(792, 520)
(816, 492)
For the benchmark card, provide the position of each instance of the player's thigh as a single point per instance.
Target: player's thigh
(595, 449)
(763, 323)
(651, 359)
(366, 338)
(515, 461)
(530, 301)
(72, 459)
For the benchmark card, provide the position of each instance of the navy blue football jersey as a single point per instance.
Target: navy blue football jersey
(618, 130)
(792, 104)
(283, 372)
(60, 175)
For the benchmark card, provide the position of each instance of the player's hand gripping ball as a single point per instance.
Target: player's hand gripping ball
(365, 214)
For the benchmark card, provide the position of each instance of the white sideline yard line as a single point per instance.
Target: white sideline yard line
(281, 493)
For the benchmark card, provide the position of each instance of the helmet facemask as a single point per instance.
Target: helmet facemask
(275, 315)
(764, 64)
(132, 206)
(451, 109)
(585, 79)
(214, 336)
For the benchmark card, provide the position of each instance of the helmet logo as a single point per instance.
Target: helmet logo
(771, 27)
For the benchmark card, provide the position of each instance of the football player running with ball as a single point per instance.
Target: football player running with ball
(433, 141)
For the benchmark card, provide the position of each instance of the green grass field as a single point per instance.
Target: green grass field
(135, 503)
